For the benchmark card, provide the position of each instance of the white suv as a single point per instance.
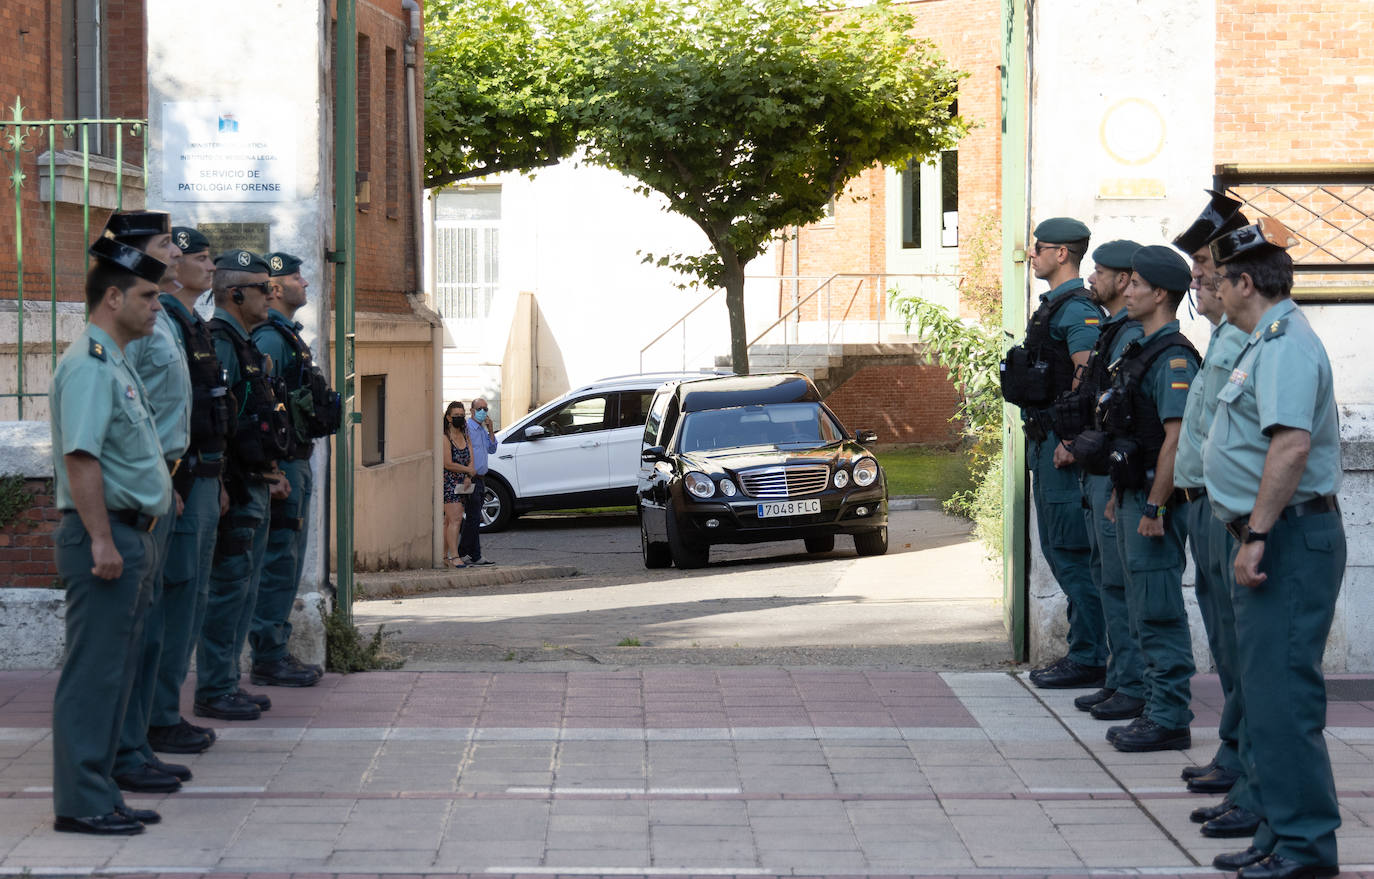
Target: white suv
(581, 450)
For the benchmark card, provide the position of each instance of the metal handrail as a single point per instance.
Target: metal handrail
(837, 275)
(674, 324)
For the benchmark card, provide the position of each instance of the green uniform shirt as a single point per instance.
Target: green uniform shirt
(271, 342)
(96, 406)
(160, 361)
(1166, 382)
(1222, 351)
(1282, 378)
(1078, 321)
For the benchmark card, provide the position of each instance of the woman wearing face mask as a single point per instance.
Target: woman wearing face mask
(458, 475)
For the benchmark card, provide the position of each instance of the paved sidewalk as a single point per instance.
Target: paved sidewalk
(664, 772)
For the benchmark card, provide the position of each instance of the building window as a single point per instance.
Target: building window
(393, 137)
(372, 403)
(83, 32)
(930, 202)
(364, 117)
(467, 229)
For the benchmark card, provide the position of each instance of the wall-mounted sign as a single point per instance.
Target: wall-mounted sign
(1131, 137)
(243, 150)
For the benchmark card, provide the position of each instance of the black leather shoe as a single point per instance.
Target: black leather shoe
(177, 739)
(1234, 824)
(1119, 707)
(1114, 731)
(317, 670)
(203, 730)
(1207, 813)
(228, 707)
(280, 673)
(1191, 772)
(176, 770)
(1278, 867)
(142, 816)
(1047, 668)
(1070, 675)
(1218, 781)
(147, 780)
(1150, 736)
(1097, 697)
(261, 700)
(113, 824)
(1232, 861)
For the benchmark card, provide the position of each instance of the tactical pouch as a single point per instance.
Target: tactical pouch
(300, 403)
(1092, 450)
(1126, 465)
(1026, 381)
(1072, 413)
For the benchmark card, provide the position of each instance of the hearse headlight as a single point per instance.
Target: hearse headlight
(699, 484)
(727, 488)
(841, 478)
(865, 472)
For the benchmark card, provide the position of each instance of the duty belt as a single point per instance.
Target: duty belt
(1326, 504)
(1191, 494)
(132, 518)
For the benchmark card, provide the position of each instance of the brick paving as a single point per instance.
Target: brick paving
(661, 772)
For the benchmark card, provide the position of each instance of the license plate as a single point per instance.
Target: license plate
(789, 508)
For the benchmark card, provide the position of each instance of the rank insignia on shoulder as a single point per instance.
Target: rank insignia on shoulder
(1092, 321)
(1277, 328)
(1179, 386)
(1178, 363)
(97, 350)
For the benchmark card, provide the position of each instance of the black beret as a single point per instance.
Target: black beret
(137, 224)
(1261, 239)
(1221, 215)
(131, 259)
(241, 261)
(1116, 254)
(281, 263)
(1061, 230)
(1163, 267)
(189, 240)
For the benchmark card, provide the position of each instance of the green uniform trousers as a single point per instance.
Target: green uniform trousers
(1125, 667)
(185, 584)
(233, 589)
(1064, 541)
(1212, 547)
(1281, 631)
(1159, 621)
(133, 736)
(104, 625)
(270, 629)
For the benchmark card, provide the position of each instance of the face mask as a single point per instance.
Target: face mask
(480, 415)
(457, 420)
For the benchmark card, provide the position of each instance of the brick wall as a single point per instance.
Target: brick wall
(1294, 81)
(904, 404)
(26, 547)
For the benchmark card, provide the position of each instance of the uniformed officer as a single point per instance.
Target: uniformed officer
(240, 293)
(1272, 466)
(279, 338)
(186, 574)
(1123, 695)
(1059, 338)
(111, 485)
(1142, 412)
(161, 365)
(1211, 544)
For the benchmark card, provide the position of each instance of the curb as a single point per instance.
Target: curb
(398, 584)
(916, 502)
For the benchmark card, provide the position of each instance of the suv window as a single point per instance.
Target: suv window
(576, 416)
(633, 408)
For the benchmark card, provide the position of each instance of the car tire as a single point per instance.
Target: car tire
(656, 555)
(685, 553)
(824, 543)
(498, 506)
(871, 542)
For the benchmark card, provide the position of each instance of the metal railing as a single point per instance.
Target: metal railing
(1329, 207)
(65, 174)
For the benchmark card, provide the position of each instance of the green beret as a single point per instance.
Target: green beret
(189, 240)
(241, 261)
(1162, 266)
(1061, 230)
(280, 263)
(1116, 254)
(137, 224)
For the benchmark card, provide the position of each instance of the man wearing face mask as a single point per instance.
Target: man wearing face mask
(482, 439)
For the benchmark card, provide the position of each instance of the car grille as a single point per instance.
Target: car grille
(785, 482)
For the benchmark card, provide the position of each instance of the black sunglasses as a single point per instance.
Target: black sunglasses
(261, 286)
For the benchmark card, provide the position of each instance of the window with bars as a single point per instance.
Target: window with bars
(467, 245)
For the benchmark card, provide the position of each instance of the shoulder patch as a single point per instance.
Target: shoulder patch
(1179, 386)
(97, 350)
(1178, 363)
(1276, 329)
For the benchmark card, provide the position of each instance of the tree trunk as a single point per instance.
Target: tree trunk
(733, 281)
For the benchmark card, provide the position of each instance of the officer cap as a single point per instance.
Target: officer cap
(189, 240)
(137, 224)
(1162, 266)
(115, 253)
(241, 261)
(281, 263)
(1259, 239)
(1221, 215)
(1061, 230)
(1116, 254)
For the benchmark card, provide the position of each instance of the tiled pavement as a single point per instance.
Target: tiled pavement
(662, 772)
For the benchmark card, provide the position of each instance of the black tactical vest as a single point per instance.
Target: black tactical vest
(262, 429)
(212, 404)
(1128, 415)
(1038, 370)
(1074, 410)
(314, 408)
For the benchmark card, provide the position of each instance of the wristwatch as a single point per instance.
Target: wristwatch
(1255, 536)
(1155, 511)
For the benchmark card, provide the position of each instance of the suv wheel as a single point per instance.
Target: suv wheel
(871, 542)
(685, 553)
(656, 555)
(497, 505)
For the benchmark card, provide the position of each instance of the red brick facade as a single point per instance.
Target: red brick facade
(26, 548)
(904, 404)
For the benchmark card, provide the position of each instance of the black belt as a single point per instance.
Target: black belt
(133, 518)
(1326, 504)
(204, 469)
(1189, 495)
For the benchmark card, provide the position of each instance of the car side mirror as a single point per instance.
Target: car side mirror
(864, 437)
(534, 431)
(653, 454)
